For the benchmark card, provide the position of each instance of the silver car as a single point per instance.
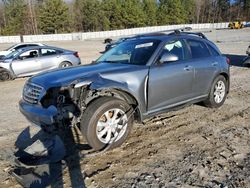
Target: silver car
(33, 60)
(138, 79)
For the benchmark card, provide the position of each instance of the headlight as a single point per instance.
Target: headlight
(33, 93)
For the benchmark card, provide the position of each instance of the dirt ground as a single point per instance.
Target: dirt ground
(192, 147)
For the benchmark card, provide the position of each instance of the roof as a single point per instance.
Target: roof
(44, 47)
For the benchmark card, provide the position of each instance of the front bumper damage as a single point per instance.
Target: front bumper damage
(38, 115)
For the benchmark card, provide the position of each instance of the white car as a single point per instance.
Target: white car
(18, 46)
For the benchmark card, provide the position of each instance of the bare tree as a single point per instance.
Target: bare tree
(199, 4)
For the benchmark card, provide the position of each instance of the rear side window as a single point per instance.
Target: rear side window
(213, 51)
(59, 51)
(198, 49)
(48, 52)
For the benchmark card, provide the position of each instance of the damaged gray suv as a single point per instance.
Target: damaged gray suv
(139, 78)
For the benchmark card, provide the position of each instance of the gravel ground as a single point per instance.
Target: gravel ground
(192, 147)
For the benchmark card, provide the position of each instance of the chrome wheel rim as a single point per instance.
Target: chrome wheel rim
(4, 76)
(111, 125)
(65, 65)
(219, 92)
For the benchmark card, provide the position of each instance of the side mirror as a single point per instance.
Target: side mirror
(168, 57)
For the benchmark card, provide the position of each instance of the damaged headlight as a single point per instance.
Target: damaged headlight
(33, 93)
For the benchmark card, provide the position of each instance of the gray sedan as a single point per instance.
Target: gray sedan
(33, 60)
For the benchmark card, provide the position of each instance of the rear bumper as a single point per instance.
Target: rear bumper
(38, 115)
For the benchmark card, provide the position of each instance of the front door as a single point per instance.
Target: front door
(27, 63)
(170, 83)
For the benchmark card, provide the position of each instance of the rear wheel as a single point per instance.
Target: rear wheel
(5, 75)
(105, 122)
(218, 93)
(65, 64)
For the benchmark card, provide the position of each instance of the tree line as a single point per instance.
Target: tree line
(19, 17)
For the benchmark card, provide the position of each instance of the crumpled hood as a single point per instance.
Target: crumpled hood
(64, 77)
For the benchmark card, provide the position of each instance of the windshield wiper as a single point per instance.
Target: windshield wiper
(108, 61)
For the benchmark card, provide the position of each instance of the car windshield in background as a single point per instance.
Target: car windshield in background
(133, 51)
(12, 54)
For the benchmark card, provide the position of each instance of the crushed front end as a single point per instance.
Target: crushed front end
(49, 108)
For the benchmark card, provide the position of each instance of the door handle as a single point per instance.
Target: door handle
(214, 63)
(188, 68)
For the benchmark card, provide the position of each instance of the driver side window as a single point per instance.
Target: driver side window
(28, 54)
(175, 48)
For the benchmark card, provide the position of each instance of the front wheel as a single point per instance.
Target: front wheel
(218, 93)
(5, 75)
(106, 121)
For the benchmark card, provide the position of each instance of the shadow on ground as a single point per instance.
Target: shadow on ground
(238, 60)
(41, 159)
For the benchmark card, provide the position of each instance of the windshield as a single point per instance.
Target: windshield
(136, 52)
(12, 54)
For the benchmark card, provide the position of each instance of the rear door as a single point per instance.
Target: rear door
(170, 83)
(206, 66)
(49, 58)
(27, 63)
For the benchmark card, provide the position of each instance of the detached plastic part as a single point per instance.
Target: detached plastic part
(44, 152)
(40, 163)
(39, 177)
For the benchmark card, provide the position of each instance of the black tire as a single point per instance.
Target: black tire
(93, 115)
(211, 101)
(65, 64)
(5, 75)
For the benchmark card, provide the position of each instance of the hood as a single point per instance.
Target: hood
(66, 76)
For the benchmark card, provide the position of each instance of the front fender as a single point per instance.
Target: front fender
(107, 84)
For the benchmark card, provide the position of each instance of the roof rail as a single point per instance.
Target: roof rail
(177, 32)
(163, 32)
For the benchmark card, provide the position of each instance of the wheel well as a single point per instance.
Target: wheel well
(226, 76)
(66, 62)
(117, 93)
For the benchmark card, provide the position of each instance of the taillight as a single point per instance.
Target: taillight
(76, 54)
(228, 61)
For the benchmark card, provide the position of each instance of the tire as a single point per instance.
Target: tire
(5, 75)
(218, 93)
(99, 112)
(65, 64)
